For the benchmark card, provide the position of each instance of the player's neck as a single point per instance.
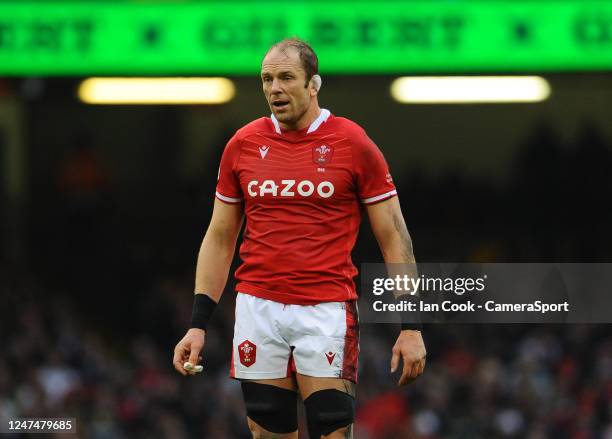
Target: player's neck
(305, 121)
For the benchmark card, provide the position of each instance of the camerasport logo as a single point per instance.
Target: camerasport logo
(247, 351)
(322, 155)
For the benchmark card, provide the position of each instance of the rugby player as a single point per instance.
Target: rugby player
(300, 178)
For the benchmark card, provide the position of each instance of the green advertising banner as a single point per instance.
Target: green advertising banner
(221, 37)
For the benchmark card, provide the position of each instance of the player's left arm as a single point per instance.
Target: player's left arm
(390, 230)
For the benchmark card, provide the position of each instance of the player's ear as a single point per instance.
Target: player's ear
(315, 85)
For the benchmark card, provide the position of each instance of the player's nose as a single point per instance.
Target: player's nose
(275, 88)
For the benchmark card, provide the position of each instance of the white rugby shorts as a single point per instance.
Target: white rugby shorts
(274, 340)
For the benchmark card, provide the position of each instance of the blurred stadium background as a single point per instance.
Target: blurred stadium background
(102, 207)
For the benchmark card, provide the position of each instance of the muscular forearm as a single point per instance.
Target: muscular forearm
(397, 247)
(400, 261)
(399, 257)
(394, 240)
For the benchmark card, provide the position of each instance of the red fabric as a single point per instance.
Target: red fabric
(351, 343)
(291, 370)
(299, 235)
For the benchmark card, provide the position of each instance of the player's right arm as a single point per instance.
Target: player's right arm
(214, 261)
(215, 257)
(217, 249)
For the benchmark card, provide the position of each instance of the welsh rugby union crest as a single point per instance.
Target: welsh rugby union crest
(322, 155)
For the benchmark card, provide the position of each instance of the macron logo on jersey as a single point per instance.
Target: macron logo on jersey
(263, 151)
(289, 188)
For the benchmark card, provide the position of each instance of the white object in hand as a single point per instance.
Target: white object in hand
(197, 368)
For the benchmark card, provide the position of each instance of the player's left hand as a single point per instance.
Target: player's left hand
(410, 347)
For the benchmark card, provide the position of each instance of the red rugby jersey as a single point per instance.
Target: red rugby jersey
(302, 192)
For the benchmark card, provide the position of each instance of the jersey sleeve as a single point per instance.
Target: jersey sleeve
(374, 182)
(228, 184)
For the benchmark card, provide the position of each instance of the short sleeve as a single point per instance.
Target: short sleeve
(374, 182)
(228, 184)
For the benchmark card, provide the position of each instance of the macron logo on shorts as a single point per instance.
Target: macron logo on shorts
(330, 357)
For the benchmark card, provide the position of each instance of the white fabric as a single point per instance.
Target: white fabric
(319, 120)
(379, 197)
(270, 329)
(323, 116)
(276, 125)
(227, 199)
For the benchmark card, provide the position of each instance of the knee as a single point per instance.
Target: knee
(271, 411)
(330, 413)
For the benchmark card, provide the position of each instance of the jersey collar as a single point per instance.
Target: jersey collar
(313, 126)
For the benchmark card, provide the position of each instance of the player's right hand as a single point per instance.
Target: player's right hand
(189, 349)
